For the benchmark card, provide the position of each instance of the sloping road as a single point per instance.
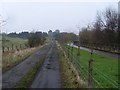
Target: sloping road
(107, 54)
(49, 75)
(13, 76)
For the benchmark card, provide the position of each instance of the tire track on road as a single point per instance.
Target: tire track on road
(49, 75)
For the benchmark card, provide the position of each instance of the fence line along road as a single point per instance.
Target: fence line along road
(86, 74)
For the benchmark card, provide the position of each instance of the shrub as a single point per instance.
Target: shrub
(36, 39)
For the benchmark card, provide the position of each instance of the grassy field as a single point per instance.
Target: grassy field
(105, 70)
(9, 59)
(8, 41)
(14, 57)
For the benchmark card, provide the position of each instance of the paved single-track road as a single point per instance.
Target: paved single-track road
(49, 75)
(13, 76)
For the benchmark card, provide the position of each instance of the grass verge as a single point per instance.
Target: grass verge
(12, 59)
(68, 77)
(26, 81)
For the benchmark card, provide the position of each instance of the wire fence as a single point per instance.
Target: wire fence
(13, 47)
(88, 71)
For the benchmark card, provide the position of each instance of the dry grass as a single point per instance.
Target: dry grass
(13, 58)
(69, 76)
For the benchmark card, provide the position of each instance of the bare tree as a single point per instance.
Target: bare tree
(104, 30)
(111, 17)
(2, 23)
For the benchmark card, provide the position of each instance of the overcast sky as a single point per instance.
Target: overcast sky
(42, 16)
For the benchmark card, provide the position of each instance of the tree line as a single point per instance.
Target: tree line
(65, 37)
(25, 35)
(105, 29)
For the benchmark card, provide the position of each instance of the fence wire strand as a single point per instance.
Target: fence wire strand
(77, 63)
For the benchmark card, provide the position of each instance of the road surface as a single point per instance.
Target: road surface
(13, 76)
(49, 75)
(107, 54)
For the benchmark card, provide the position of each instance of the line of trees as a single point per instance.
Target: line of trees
(25, 35)
(65, 37)
(34, 38)
(105, 30)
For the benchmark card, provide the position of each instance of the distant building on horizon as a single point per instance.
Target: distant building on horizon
(50, 33)
(57, 31)
(53, 34)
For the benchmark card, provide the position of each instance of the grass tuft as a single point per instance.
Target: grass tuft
(26, 81)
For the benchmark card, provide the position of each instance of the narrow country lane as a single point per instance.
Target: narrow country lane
(13, 76)
(49, 75)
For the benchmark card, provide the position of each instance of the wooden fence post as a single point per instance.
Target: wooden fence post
(12, 46)
(3, 49)
(68, 52)
(90, 69)
(72, 53)
(8, 48)
(78, 54)
(20, 46)
(16, 47)
(90, 72)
